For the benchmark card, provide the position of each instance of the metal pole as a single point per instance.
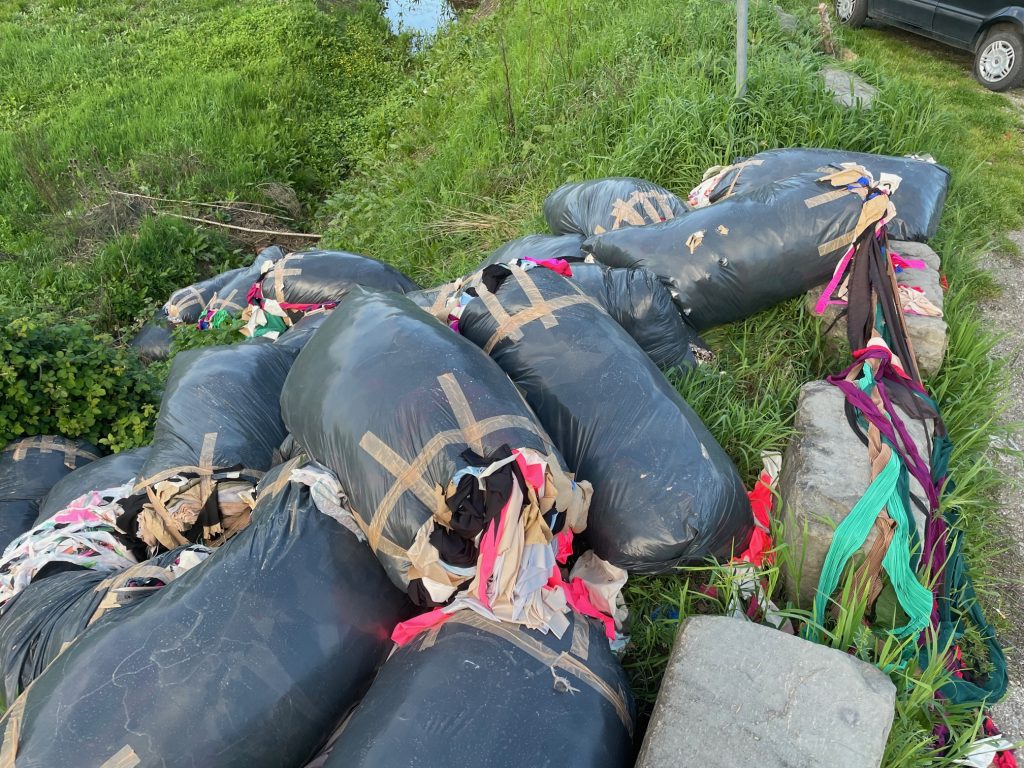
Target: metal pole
(741, 48)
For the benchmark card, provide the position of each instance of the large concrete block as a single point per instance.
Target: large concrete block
(927, 334)
(847, 89)
(825, 471)
(741, 695)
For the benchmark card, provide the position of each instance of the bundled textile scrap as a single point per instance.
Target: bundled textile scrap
(450, 478)
(882, 387)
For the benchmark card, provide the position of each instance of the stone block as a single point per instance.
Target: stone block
(825, 471)
(927, 334)
(847, 89)
(740, 695)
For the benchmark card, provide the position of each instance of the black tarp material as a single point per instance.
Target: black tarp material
(298, 335)
(217, 432)
(602, 205)
(320, 277)
(245, 661)
(106, 472)
(153, 341)
(919, 199)
(538, 247)
(60, 603)
(665, 493)
(638, 301)
(479, 694)
(29, 468)
(747, 253)
(390, 400)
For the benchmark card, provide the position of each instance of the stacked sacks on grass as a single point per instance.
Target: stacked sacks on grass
(29, 468)
(665, 493)
(635, 298)
(918, 187)
(455, 485)
(459, 493)
(247, 660)
(749, 252)
(216, 434)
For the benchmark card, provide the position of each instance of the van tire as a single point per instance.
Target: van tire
(999, 63)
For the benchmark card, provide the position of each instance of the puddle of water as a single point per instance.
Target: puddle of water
(423, 16)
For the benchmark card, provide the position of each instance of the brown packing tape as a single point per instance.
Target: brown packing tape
(411, 474)
(533, 295)
(497, 311)
(580, 647)
(112, 600)
(739, 172)
(439, 308)
(514, 324)
(280, 273)
(562, 661)
(835, 244)
(625, 212)
(48, 444)
(460, 409)
(183, 299)
(206, 454)
(123, 758)
(827, 197)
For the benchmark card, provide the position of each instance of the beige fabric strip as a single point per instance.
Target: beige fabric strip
(836, 243)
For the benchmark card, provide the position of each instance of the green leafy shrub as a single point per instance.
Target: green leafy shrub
(64, 378)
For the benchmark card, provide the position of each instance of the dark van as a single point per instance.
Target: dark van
(992, 30)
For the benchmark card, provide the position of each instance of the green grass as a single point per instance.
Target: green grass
(500, 112)
(194, 99)
(429, 163)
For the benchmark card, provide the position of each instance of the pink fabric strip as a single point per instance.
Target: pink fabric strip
(899, 261)
(406, 630)
(826, 296)
(561, 266)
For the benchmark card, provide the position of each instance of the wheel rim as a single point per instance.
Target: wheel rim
(996, 61)
(844, 9)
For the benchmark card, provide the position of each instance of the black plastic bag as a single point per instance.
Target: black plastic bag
(57, 607)
(232, 295)
(29, 468)
(635, 298)
(106, 472)
(320, 277)
(478, 694)
(638, 301)
(919, 200)
(381, 392)
(538, 247)
(245, 661)
(153, 341)
(299, 334)
(602, 205)
(665, 493)
(186, 304)
(747, 253)
(217, 432)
